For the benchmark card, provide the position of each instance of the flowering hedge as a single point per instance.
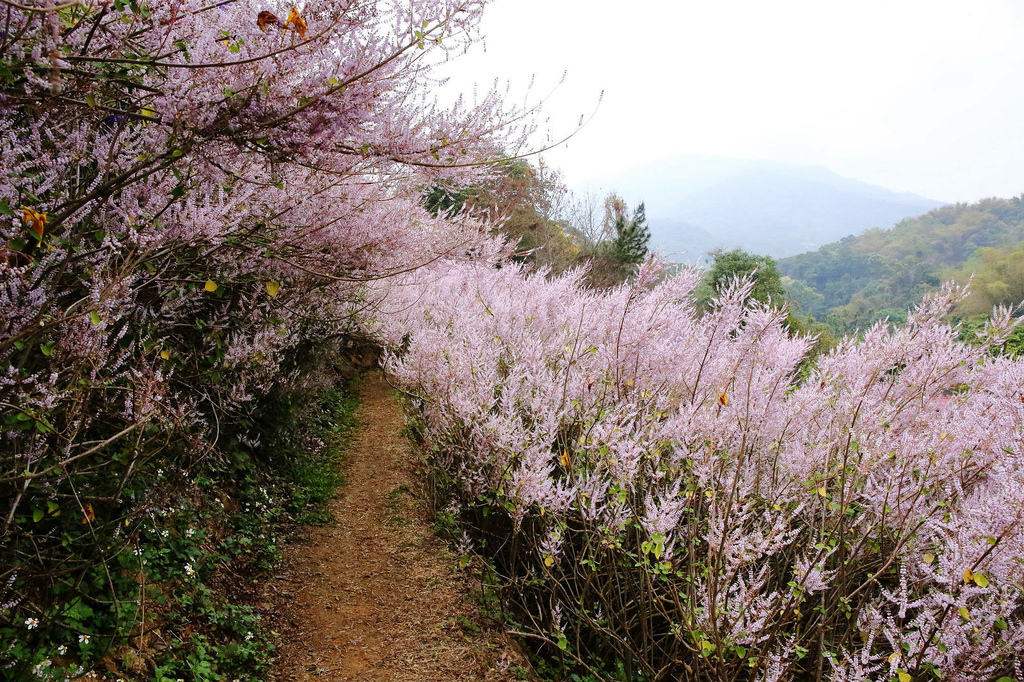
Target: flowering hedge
(192, 196)
(657, 486)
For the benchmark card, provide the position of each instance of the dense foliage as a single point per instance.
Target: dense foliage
(656, 486)
(727, 266)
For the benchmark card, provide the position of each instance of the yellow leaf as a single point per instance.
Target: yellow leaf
(549, 561)
(929, 558)
(166, 355)
(148, 112)
(943, 436)
(210, 285)
(36, 221)
(904, 677)
(272, 288)
(723, 399)
(980, 580)
(964, 613)
(296, 21)
(88, 514)
(822, 491)
(629, 383)
(968, 576)
(565, 458)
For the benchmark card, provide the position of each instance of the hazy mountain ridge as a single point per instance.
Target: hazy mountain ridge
(696, 204)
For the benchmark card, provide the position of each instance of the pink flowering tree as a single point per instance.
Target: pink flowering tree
(658, 488)
(192, 192)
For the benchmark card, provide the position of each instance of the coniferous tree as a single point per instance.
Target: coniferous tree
(632, 238)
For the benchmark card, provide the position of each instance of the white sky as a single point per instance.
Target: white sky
(913, 95)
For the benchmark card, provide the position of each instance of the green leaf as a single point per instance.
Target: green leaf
(94, 317)
(37, 515)
(47, 348)
(5, 208)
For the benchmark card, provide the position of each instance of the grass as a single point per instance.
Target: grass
(309, 452)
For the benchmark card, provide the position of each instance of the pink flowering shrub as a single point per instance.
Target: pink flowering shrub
(192, 196)
(659, 488)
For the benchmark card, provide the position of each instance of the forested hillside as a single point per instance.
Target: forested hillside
(881, 273)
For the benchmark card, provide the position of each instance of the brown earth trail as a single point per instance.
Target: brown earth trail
(374, 596)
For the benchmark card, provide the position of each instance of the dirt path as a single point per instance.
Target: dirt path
(374, 596)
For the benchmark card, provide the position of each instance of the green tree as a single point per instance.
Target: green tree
(726, 266)
(633, 237)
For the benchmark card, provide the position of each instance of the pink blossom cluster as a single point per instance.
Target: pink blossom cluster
(191, 193)
(694, 502)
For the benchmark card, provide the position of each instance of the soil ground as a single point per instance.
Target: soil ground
(375, 595)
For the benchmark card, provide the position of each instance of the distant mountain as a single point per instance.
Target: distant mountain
(696, 204)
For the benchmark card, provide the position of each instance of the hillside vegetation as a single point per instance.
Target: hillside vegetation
(882, 273)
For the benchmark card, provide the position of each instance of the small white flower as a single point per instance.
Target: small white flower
(189, 570)
(164, 533)
(159, 472)
(190, 532)
(248, 636)
(62, 650)
(32, 623)
(84, 639)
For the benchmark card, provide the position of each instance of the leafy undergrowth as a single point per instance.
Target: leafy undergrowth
(174, 600)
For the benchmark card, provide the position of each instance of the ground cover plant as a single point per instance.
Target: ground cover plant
(179, 597)
(655, 485)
